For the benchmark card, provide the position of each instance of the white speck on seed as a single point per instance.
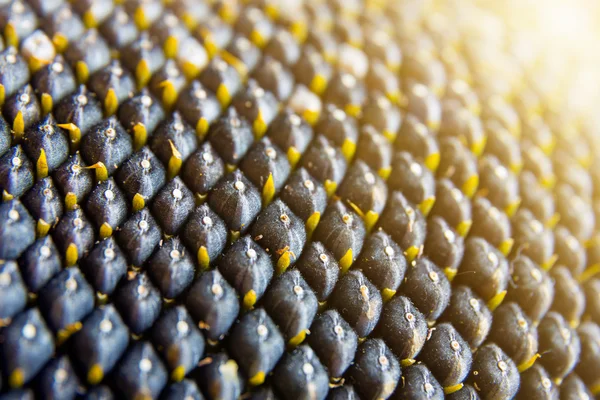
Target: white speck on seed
(145, 365)
(262, 330)
(546, 383)
(172, 71)
(271, 153)
(217, 290)
(29, 331)
(457, 194)
(536, 226)
(122, 17)
(339, 331)
(118, 71)
(308, 369)
(13, 215)
(364, 291)
(474, 304)
(494, 213)
(348, 80)
(239, 185)
(235, 122)
(48, 129)
(5, 279)
(171, 20)
(416, 169)
(251, 253)
(309, 185)
(389, 250)
(200, 93)
(45, 251)
(71, 284)
(16, 161)
(259, 92)
(338, 114)
(572, 242)
(142, 290)
(434, 276)
(295, 120)
(143, 224)
(501, 172)
(449, 235)
(221, 65)
(419, 90)
(146, 101)
(347, 218)
(182, 327)
(109, 254)
(177, 194)
(383, 103)
(106, 326)
(146, 44)
(109, 194)
(536, 274)
(60, 375)
(502, 365)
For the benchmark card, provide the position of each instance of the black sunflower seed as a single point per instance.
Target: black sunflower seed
(301, 374)
(493, 374)
(103, 329)
(334, 342)
(560, 345)
(171, 268)
(256, 343)
(138, 302)
(468, 315)
(179, 341)
(418, 382)
(104, 266)
(28, 345)
(358, 301)
(213, 303)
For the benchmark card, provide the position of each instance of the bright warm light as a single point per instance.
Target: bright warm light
(557, 43)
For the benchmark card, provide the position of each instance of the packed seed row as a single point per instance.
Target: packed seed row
(463, 184)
